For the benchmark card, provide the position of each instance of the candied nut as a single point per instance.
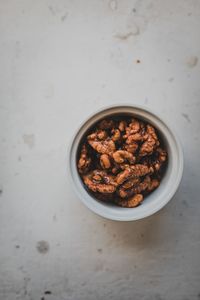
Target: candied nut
(124, 166)
(132, 202)
(162, 154)
(105, 161)
(139, 170)
(153, 185)
(92, 136)
(133, 127)
(84, 160)
(96, 186)
(147, 184)
(106, 124)
(104, 147)
(120, 156)
(102, 134)
(126, 161)
(135, 133)
(97, 178)
(105, 177)
(136, 137)
(156, 161)
(123, 193)
(151, 142)
(132, 148)
(130, 183)
(116, 135)
(98, 135)
(140, 187)
(106, 188)
(122, 125)
(124, 175)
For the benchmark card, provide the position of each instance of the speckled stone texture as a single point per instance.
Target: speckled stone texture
(60, 61)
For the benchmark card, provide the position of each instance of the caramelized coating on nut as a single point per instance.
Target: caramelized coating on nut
(102, 134)
(161, 158)
(122, 125)
(133, 171)
(106, 124)
(105, 161)
(98, 135)
(132, 148)
(157, 161)
(123, 176)
(134, 126)
(104, 147)
(131, 202)
(103, 185)
(130, 183)
(151, 142)
(132, 138)
(84, 160)
(121, 155)
(153, 185)
(140, 170)
(122, 160)
(116, 135)
(104, 177)
(146, 184)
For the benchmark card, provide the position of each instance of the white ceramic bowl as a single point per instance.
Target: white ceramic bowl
(157, 199)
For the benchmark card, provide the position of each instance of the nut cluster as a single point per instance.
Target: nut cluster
(122, 160)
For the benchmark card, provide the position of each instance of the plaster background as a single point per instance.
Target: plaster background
(60, 61)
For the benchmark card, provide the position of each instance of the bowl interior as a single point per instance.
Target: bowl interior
(154, 201)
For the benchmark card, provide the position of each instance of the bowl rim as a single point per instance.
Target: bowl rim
(170, 129)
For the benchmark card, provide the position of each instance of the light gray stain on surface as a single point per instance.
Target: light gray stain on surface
(126, 36)
(29, 140)
(64, 17)
(113, 4)
(186, 117)
(42, 247)
(192, 61)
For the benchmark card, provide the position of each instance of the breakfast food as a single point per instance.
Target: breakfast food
(121, 160)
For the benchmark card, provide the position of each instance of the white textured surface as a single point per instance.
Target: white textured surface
(60, 61)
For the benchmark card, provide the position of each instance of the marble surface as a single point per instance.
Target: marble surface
(60, 61)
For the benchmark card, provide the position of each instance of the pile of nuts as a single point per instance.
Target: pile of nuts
(122, 160)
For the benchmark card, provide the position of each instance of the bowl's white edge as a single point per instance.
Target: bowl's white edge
(179, 174)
